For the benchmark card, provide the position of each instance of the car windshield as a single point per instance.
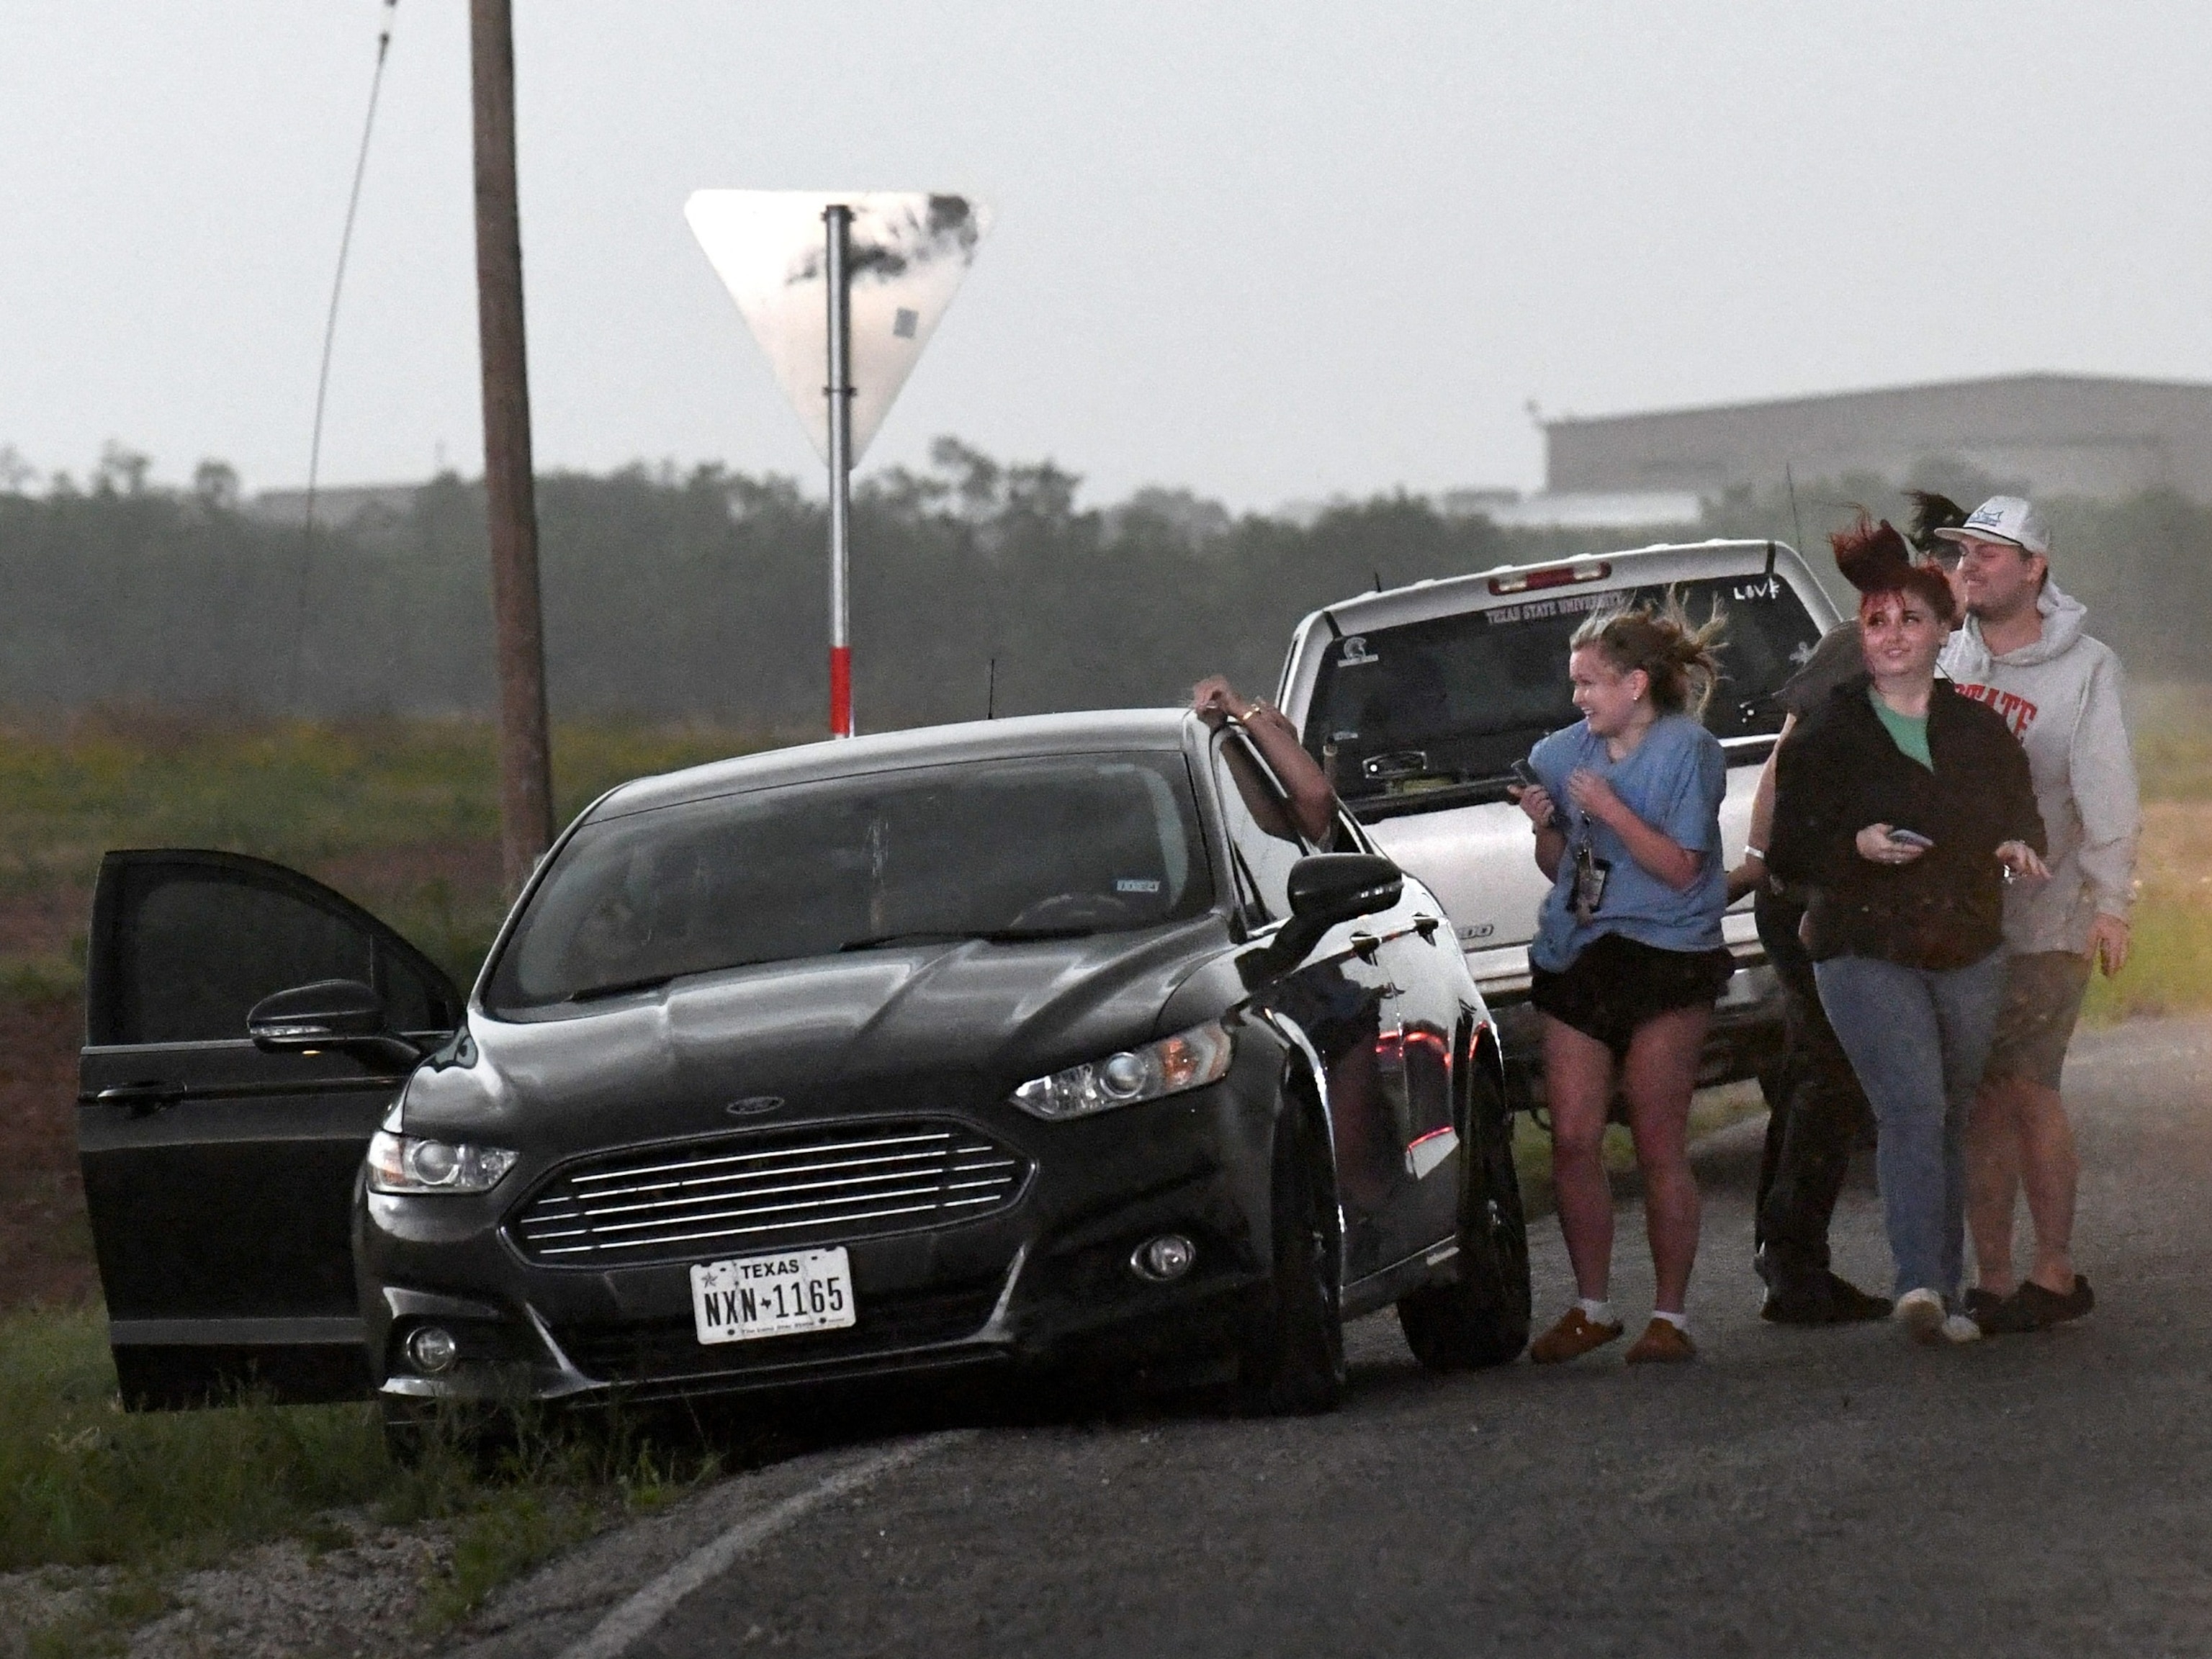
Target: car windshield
(1005, 850)
(1449, 704)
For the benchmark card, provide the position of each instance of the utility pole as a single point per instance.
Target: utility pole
(525, 772)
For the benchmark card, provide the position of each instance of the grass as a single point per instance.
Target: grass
(84, 1484)
(2169, 968)
(401, 815)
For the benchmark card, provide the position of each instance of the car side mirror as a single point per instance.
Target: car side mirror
(1325, 890)
(1333, 887)
(331, 1013)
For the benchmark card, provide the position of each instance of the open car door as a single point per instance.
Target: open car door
(220, 1178)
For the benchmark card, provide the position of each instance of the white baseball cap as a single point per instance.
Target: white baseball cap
(2004, 519)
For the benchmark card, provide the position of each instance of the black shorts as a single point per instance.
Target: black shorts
(1618, 985)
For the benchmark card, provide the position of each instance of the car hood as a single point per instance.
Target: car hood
(937, 1026)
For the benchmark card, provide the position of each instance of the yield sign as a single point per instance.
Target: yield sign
(909, 251)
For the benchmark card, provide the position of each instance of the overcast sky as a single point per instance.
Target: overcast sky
(1265, 249)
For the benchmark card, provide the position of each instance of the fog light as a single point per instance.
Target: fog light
(1164, 1258)
(432, 1349)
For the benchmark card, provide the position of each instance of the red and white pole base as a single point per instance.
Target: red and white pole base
(841, 690)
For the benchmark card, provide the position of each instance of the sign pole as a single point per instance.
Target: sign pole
(837, 221)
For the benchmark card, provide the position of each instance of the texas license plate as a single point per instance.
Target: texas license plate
(772, 1295)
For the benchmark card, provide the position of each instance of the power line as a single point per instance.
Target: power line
(330, 338)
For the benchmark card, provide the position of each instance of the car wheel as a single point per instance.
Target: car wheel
(1293, 1363)
(1482, 1317)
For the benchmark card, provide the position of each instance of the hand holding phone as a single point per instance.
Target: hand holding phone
(1879, 843)
(1525, 779)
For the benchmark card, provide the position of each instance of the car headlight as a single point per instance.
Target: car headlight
(411, 1163)
(1188, 1060)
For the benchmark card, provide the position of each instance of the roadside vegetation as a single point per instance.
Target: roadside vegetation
(402, 816)
(2169, 969)
(85, 1485)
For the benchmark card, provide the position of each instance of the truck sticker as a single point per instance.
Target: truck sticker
(1567, 605)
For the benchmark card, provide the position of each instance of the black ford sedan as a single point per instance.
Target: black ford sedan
(1032, 1042)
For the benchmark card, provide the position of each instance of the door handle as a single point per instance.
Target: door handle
(141, 1099)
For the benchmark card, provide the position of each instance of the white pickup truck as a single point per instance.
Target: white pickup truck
(1418, 701)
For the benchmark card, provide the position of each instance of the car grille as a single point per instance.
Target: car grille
(776, 1190)
(645, 1350)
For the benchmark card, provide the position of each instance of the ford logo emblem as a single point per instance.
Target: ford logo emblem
(753, 1105)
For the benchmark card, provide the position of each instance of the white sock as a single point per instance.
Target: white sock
(1680, 1322)
(1597, 1310)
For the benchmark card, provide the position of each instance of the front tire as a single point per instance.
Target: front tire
(1293, 1364)
(1481, 1319)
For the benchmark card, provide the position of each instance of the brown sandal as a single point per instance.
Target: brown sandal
(1663, 1343)
(1575, 1335)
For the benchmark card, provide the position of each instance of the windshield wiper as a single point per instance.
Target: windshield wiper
(616, 987)
(955, 936)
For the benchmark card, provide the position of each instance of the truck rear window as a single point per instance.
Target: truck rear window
(1434, 713)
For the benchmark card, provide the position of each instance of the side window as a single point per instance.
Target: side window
(1260, 838)
(415, 998)
(193, 949)
(1345, 834)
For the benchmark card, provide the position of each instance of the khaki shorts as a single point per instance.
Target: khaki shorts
(2041, 1000)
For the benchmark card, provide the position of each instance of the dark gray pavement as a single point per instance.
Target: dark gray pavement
(1794, 1492)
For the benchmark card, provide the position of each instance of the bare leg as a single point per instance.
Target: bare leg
(1578, 1088)
(1660, 1073)
(1993, 1159)
(2049, 1171)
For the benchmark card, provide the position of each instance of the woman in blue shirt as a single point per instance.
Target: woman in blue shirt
(1628, 958)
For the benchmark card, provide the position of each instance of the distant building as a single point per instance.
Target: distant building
(2061, 435)
(1585, 509)
(338, 507)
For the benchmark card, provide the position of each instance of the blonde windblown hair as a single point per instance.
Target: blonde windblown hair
(1681, 660)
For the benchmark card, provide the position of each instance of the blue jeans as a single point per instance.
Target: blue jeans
(1918, 1040)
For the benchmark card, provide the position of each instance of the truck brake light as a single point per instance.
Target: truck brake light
(1557, 575)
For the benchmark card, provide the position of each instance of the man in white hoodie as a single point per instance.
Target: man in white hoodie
(2023, 651)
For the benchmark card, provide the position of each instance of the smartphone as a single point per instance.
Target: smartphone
(1525, 775)
(1910, 838)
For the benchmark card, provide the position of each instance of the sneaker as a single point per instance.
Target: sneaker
(1851, 1304)
(2032, 1308)
(1575, 1335)
(1922, 1313)
(1663, 1343)
(1797, 1303)
(1957, 1327)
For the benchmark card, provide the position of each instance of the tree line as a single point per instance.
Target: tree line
(702, 596)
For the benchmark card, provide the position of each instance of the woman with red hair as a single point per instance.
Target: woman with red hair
(1904, 808)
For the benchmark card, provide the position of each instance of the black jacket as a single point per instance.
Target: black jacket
(1840, 771)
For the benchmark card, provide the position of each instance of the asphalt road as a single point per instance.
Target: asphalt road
(1793, 1492)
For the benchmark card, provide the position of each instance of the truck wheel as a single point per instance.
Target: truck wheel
(1482, 1318)
(1293, 1363)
